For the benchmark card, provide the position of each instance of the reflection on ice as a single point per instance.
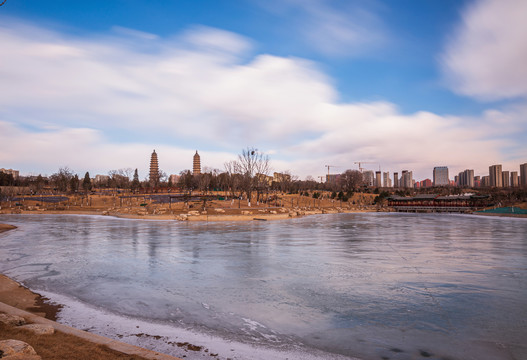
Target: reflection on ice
(377, 286)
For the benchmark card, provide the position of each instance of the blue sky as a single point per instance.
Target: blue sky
(405, 84)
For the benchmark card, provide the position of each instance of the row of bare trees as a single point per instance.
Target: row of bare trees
(248, 174)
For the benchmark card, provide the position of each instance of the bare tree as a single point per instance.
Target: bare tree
(62, 178)
(230, 179)
(120, 178)
(261, 180)
(250, 163)
(350, 180)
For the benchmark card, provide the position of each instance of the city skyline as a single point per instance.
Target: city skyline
(407, 86)
(497, 177)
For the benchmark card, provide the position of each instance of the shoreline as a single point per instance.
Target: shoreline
(283, 215)
(286, 213)
(18, 300)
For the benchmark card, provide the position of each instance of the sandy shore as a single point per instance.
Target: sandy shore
(6, 227)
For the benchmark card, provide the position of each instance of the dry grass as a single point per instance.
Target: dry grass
(61, 346)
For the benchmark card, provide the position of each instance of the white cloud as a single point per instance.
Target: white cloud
(97, 104)
(486, 57)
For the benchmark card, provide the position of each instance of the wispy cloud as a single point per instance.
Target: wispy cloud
(486, 57)
(100, 102)
(335, 29)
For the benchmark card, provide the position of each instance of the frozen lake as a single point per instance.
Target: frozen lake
(374, 286)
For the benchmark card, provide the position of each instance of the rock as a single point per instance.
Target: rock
(246, 212)
(203, 213)
(16, 349)
(273, 212)
(193, 212)
(39, 329)
(12, 320)
(219, 210)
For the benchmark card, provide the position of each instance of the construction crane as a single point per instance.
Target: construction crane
(331, 166)
(365, 162)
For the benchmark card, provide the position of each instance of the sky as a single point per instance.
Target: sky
(98, 85)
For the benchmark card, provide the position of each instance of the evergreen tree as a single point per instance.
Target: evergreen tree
(135, 182)
(86, 183)
(74, 183)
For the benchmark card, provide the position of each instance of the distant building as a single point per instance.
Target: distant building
(395, 180)
(485, 181)
(279, 177)
(173, 179)
(406, 179)
(154, 169)
(514, 179)
(505, 179)
(386, 181)
(196, 164)
(440, 175)
(264, 179)
(14, 173)
(477, 181)
(332, 178)
(523, 175)
(378, 181)
(466, 178)
(425, 183)
(495, 176)
(368, 178)
(101, 180)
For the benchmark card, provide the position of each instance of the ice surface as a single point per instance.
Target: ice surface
(375, 286)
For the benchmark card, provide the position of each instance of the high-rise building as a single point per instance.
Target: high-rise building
(154, 169)
(523, 175)
(441, 176)
(386, 181)
(505, 179)
(514, 179)
(406, 179)
(485, 181)
(466, 178)
(378, 182)
(495, 177)
(395, 180)
(331, 178)
(368, 178)
(196, 165)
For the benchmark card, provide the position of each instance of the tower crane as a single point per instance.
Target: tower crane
(331, 166)
(366, 162)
